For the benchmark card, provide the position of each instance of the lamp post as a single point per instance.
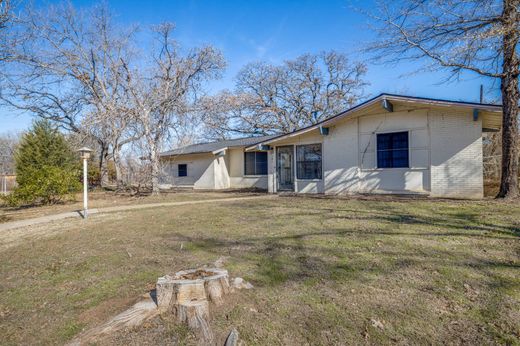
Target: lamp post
(85, 155)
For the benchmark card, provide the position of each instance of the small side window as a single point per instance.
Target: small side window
(255, 163)
(182, 170)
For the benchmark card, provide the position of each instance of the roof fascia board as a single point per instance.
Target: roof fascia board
(322, 123)
(215, 152)
(486, 107)
(184, 154)
(395, 98)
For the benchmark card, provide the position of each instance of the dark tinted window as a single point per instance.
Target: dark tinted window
(392, 150)
(308, 161)
(255, 163)
(182, 170)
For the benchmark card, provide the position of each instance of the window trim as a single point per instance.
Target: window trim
(296, 162)
(377, 145)
(255, 175)
(178, 170)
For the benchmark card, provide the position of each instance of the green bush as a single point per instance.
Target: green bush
(47, 170)
(49, 185)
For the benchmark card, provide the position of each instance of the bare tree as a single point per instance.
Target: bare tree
(480, 36)
(70, 68)
(272, 99)
(5, 17)
(164, 96)
(4, 12)
(8, 144)
(76, 68)
(109, 51)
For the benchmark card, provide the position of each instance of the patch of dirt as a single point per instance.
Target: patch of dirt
(160, 330)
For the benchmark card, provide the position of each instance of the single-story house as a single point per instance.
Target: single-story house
(388, 144)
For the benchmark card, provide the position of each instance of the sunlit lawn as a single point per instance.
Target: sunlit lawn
(100, 199)
(325, 271)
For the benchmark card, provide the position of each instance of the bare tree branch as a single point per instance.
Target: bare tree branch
(163, 101)
(69, 67)
(273, 99)
(480, 36)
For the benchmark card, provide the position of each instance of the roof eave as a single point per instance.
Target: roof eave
(321, 123)
(181, 154)
(444, 103)
(375, 100)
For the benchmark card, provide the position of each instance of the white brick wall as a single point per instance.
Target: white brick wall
(445, 158)
(415, 178)
(456, 155)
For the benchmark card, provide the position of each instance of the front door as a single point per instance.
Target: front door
(284, 165)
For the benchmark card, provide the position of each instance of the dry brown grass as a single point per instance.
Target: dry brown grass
(101, 199)
(326, 271)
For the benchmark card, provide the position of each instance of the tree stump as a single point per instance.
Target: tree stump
(217, 285)
(215, 281)
(164, 292)
(171, 292)
(186, 295)
(195, 314)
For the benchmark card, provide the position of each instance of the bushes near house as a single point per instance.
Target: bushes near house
(46, 168)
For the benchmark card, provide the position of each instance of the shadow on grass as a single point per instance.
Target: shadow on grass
(391, 248)
(458, 220)
(298, 257)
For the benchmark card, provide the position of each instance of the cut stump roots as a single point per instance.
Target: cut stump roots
(187, 295)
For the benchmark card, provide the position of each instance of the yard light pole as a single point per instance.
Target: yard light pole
(85, 155)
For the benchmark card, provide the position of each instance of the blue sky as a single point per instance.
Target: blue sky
(274, 31)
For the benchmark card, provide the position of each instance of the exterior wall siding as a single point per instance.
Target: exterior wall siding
(220, 167)
(340, 156)
(445, 155)
(207, 171)
(456, 155)
(415, 178)
(238, 180)
(200, 171)
(445, 158)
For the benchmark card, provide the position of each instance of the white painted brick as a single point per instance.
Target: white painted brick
(456, 155)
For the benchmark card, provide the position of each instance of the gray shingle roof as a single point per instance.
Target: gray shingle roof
(212, 146)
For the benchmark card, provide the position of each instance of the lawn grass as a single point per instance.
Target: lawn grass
(325, 271)
(102, 199)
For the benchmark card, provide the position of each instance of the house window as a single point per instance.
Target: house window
(392, 150)
(308, 161)
(182, 170)
(255, 163)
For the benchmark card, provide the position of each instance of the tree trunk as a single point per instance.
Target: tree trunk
(510, 98)
(154, 161)
(103, 165)
(117, 165)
